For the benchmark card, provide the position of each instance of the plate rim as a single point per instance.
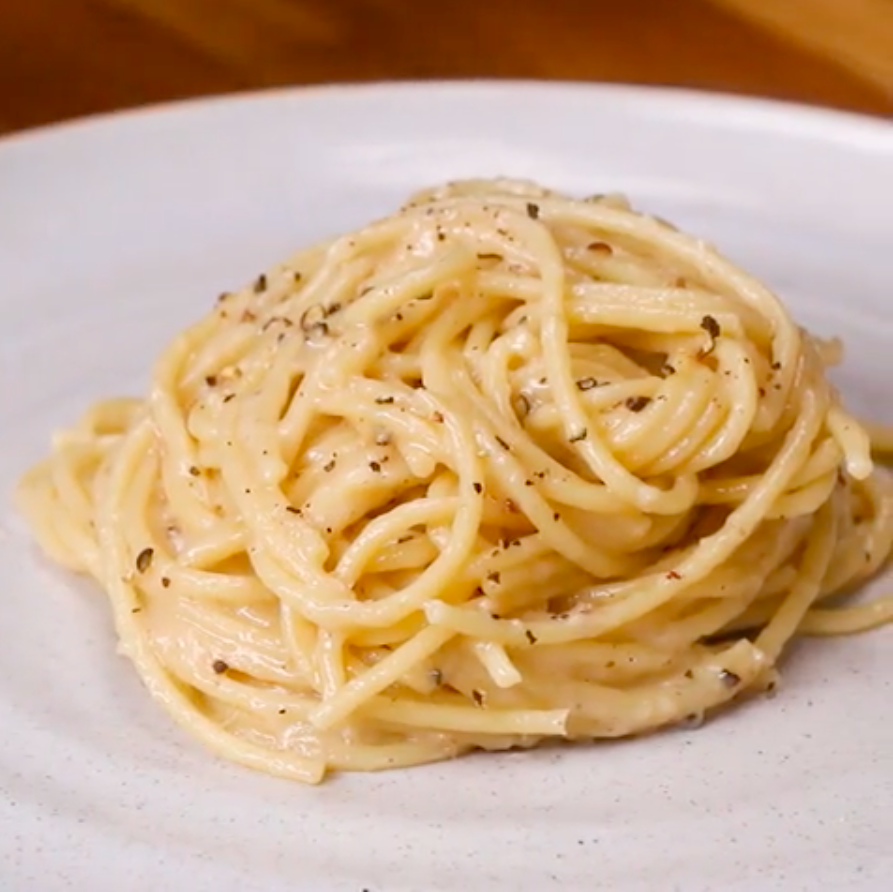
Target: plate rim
(780, 113)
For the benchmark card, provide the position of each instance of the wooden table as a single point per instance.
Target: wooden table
(62, 58)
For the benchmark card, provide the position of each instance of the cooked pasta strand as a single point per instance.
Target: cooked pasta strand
(504, 466)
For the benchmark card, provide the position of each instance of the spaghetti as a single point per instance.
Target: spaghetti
(504, 466)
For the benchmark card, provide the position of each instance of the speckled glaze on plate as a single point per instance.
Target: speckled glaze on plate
(116, 232)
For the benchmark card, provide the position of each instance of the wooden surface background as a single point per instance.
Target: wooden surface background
(63, 58)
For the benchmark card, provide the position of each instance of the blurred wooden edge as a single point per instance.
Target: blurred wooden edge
(854, 34)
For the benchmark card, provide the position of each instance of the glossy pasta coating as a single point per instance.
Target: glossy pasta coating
(502, 467)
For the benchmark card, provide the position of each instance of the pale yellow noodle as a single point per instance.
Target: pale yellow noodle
(504, 466)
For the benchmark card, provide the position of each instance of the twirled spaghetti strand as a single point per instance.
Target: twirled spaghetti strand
(501, 467)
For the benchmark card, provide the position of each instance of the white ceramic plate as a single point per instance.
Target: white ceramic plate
(114, 233)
